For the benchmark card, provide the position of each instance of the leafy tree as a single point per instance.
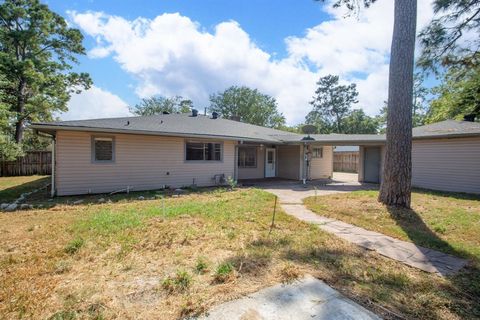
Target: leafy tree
(457, 95)
(158, 105)
(331, 104)
(249, 104)
(357, 122)
(453, 38)
(37, 49)
(419, 104)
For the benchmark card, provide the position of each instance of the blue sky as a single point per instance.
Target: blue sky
(193, 48)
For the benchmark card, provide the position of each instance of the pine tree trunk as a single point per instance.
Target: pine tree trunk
(397, 172)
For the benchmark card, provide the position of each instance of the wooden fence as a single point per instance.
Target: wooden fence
(345, 161)
(33, 162)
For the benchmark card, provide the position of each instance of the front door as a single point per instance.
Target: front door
(270, 163)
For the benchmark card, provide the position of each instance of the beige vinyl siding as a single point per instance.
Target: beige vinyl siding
(254, 173)
(288, 162)
(447, 164)
(142, 162)
(321, 168)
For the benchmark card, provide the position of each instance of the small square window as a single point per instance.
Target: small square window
(317, 153)
(103, 149)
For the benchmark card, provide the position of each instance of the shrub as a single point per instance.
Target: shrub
(232, 183)
(73, 246)
(224, 272)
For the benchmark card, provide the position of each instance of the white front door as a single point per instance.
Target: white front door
(270, 160)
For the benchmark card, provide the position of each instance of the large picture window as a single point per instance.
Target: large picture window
(247, 157)
(103, 149)
(203, 151)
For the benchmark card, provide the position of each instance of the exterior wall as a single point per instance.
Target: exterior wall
(447, 164)
(322, 168)
(288, 162)
(141, 162)
(254, 173)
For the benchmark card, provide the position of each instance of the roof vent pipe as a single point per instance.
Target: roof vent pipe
(469, 117)
(194, 112)
(214, 115)
(165, 112)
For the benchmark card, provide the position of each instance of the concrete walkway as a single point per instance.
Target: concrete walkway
(307, 299)
(291, 194)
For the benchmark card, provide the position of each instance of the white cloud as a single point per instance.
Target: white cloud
(95, 103)
(173, 55)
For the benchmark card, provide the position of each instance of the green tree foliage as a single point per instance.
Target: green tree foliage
(456, 96)
(358, 122)
(37, 49)
(249, 104)
(453, 37)
(332, 112)
(419, 105)
(158, 105)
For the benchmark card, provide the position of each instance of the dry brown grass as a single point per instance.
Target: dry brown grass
(129, 248)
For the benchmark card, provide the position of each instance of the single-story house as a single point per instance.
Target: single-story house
(177, 150)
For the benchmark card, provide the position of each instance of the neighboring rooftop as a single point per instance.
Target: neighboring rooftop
(447, 128)
(205, 126)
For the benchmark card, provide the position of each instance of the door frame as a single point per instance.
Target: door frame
(274, 162)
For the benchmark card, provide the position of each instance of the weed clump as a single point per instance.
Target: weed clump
(224, 272)
(201, 265)
(73, 246)
(178, 283)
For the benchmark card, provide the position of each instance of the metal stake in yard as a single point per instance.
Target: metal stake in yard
(163, 207)
(273, 217)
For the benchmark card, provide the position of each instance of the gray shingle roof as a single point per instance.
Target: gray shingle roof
(447, 128)
(204, 126)
(175, 124)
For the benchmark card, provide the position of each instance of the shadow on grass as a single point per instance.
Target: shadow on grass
(467, 280)
(12, 193)
(445, 194)
(420, 233)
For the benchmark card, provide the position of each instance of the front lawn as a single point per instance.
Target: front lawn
(443, 221)
(176, 257)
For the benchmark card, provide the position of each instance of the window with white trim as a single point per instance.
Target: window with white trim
(317, 153)
(247, 157)
(103, 149)
(203, 151)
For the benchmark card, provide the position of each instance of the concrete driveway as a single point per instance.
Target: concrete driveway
(293, 192)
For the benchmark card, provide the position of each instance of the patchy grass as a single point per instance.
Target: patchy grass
(12, 187)
(129, 248)
(446, 222)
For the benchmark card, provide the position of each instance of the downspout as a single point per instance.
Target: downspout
(304, 171)
(54, 142)
(235, 165)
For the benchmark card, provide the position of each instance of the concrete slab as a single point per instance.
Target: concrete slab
(307, 299)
